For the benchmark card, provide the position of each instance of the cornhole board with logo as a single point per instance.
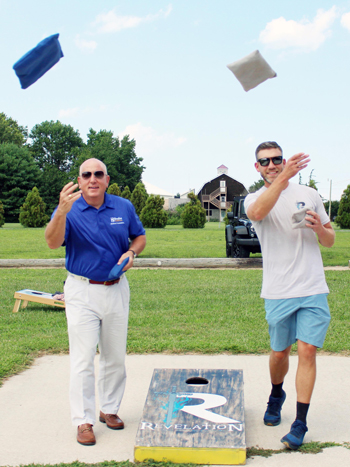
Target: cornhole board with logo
(28, 295)
(193, 416)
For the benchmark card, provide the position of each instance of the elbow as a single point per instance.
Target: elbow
(255, 215)
(52, 245)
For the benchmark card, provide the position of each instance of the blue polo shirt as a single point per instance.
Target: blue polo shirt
(95, 239)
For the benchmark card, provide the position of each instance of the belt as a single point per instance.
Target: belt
(90, 281)
(105, 282)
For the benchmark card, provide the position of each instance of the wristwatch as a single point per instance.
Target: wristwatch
(135, 255)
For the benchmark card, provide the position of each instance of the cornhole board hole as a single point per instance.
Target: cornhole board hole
(193, 416)
(28, 295)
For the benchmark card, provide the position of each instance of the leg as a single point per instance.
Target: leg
(17, 305)
(312, 322)
(306, 372)
(280, 316)
(279, 365)
(112, 346)
(83, 330)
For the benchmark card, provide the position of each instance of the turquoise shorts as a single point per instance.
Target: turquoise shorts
(291, 319)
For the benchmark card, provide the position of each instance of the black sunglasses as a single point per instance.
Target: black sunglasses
(98, 174)
(265, 161)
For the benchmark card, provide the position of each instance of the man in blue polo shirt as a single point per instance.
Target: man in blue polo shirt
(96, 229)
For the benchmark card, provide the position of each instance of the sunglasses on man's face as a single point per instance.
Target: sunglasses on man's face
(98, 174)
(265, 161)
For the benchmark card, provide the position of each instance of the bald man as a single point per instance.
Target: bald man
(98, 230)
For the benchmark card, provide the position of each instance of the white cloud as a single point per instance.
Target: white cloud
(345, 20)
(307, 35)
(149, 141)
(111, 22)
(86, 46)
(66, 113)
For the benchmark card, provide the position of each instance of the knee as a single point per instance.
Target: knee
(280, 356)
(306, 351)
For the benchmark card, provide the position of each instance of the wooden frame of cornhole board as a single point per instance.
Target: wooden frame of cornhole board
(193, 416)
(28, 295)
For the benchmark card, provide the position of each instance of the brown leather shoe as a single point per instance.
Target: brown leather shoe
(113, 421)
(86, 435)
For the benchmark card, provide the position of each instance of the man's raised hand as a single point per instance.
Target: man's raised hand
(67, 197)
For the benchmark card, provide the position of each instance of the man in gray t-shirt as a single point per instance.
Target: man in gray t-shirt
(290, 221)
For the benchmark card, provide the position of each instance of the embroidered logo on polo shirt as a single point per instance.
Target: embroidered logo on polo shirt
(300, 205)
(117, 220)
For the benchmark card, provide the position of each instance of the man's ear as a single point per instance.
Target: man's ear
(256, 165)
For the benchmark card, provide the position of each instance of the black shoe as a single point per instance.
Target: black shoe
(272, 415)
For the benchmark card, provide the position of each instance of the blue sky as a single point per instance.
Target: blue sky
(157, 70)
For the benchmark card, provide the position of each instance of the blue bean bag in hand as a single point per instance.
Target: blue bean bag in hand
(35, 63)
(117, 270)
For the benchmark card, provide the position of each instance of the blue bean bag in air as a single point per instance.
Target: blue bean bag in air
(35, 63)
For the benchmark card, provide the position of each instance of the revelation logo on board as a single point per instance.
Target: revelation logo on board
(188, 402)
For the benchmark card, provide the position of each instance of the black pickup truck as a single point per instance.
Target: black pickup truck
(241, 238)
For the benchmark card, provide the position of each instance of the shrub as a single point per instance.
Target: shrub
(126, 193)
(114, 190)
(2, 214)
(33, 210)
(174, 216)
(343, 216)
(193, 216)
(139, 197)
(226, 218)
(153, 214)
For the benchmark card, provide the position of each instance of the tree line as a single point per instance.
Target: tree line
(49, 156)
(35, 165)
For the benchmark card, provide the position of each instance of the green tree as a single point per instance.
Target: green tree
(343, 217)
(139, 197)
(124, 167)
(11, 132)
(126, 193)
(334, 208)
(18, 175)
(33, 210)
(54, 147)
(114, 189)
(256, 186)
(2, 214)
(193, 216)
(153, 214)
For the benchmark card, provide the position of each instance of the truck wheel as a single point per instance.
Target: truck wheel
(228, 250)
(239, 251)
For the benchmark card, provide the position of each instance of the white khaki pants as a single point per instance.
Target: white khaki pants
(96, 315)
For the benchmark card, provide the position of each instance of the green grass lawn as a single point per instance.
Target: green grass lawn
(206, 311)
(171, 242)
(173, 311)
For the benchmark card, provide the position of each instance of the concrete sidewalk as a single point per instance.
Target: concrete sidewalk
(35, 422)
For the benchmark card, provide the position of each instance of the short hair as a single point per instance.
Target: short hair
(103, 164)
(267, 145)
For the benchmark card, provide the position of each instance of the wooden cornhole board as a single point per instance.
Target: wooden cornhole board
(28, 295)
(193, 416)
